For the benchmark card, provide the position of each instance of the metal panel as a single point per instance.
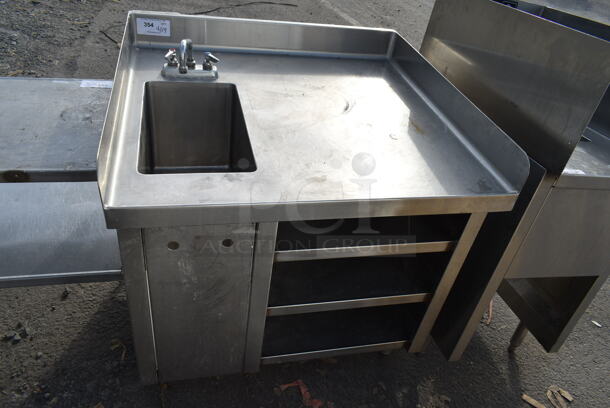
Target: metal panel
(50, 128)
(539, 81)
(199, 280)
(55, 233)
(138, 296)
(570, 237)
(134, 217)
(259, 295)
(219, 33)
(570, 20)
(550, 307)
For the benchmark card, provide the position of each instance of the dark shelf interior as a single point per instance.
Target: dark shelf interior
(355, 278)
(295, 235)
(343, 328)
(546, 305)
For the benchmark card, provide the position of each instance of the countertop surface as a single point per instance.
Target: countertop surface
(321, 130)
(356, 134)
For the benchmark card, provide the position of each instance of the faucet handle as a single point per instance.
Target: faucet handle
(209, 60)
(209, 57)
(171, 57)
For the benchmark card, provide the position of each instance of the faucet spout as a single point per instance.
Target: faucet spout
(185, 56)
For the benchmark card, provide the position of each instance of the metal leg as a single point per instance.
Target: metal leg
(444, 286)
(138, 297)
(264, 249)
(518, 336)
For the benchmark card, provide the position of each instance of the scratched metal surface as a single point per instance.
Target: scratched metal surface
(208, 282)
(323, 117)
(54, 233)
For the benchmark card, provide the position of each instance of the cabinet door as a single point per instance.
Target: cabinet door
(199, 281)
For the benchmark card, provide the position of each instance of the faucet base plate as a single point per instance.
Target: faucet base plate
(171, 72)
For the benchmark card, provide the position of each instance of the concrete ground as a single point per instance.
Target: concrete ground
(77, 347)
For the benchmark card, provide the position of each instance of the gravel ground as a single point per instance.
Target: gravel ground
(76, 348)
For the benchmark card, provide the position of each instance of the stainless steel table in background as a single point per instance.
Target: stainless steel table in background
(540, 75)
(53, 233)
(51, 128)
(52, 228)
(565, 258)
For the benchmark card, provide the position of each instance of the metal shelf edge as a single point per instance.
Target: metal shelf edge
(308, 355)
(15, 281)
(347, 304)
(361, 251)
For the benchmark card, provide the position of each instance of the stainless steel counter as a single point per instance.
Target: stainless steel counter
(52, 230)
(348, 131)
(540, 74)
(339, 126)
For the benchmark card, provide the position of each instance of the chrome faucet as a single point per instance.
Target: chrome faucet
(183, 65)
(185, 57)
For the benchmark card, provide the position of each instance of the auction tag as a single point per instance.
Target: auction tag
(153, 26)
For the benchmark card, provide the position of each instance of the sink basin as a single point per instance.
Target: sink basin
(193, 128)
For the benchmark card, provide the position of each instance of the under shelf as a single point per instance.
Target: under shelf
(342, 351)
(347, 238)
(362, 251)
(334, 284)
(348, 304)
(317, 335)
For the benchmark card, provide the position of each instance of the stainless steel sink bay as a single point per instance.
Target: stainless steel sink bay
(344, 122)
(302, 111)
(193, 128)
